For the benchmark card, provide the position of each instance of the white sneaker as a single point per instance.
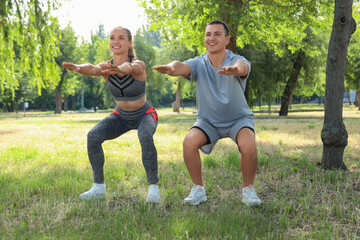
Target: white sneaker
(96, 191)
(249, 196)
(153, 194)
(197, 195)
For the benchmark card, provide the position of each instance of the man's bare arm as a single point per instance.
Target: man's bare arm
(240, 68)
(175, 68)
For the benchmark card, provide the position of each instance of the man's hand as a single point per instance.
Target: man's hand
(240, 68)
(71, 67)
(165, 69)
(229, 70)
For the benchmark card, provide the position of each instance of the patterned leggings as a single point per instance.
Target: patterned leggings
(119, 122)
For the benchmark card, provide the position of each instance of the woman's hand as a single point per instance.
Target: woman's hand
(71, 67)
(121, 70)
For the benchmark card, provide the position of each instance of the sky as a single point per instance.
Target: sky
(86, 15)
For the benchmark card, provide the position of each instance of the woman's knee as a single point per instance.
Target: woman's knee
(145, 136)
(93, 137)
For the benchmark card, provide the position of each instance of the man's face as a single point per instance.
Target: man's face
(215, 39)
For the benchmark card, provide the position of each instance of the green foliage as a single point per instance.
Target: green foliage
(161, 88)
(268, 72)
(268, 33)
(27, 44)
(68, 47)
(146, 52)
(352, 74)
(261, 23)
(178, 51)
(95, 52)
(312, 75)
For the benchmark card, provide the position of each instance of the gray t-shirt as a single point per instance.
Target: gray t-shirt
(220, 99)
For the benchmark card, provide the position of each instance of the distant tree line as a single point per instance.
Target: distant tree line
(286, 42)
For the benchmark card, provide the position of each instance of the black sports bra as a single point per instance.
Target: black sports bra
(125, 88)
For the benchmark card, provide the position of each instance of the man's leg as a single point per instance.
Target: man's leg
(193, 141)
(249, 160)
(247, 145)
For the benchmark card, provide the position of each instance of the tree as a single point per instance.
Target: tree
(30, 25)
(268, 71)
(180, 53)
(276, 25)
(334, 135)
(306, 64)
(68, 53)
(95, 52)
(145, 44)
(352, 73)
(148, 49)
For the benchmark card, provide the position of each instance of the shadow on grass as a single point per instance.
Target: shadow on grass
(7, 132)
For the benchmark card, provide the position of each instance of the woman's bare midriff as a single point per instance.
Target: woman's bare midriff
(131, 105)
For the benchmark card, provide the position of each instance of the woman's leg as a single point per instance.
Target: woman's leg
(109, 128)
(146, 130)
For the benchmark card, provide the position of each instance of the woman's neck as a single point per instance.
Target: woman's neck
(120, 59)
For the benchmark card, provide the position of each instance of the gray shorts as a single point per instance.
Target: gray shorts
(214, 133)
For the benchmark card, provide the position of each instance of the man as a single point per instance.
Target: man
(220, 77)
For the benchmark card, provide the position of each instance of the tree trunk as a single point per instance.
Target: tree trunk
(334, 135)
(291, 83)
(357, 99)
(348, 97)
(95, 103)
(290, 103)
(58, 97)
(246, 93)
(43, 106)
(74, 100)
(66, 104)
(58, 101)
(232, 43)
(176, 104)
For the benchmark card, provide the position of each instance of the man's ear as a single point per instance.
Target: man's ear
(227, 39)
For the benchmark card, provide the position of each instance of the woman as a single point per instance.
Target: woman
(125, 77)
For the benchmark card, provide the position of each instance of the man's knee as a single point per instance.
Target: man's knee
(246, 141)
(194, 140)
(187, 143)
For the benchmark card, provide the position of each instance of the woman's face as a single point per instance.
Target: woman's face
(119, 41)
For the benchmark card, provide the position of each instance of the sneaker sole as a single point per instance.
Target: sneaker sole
(252, 204)
(92, 197)
(204, 199)
(152, 201)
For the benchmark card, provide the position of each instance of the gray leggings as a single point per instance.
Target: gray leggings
(119, 122)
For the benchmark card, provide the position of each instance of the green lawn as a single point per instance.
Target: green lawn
(44, 167)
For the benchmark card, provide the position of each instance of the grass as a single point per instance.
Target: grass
(44, 167)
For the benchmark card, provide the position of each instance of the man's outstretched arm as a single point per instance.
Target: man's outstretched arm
(175, 68)
(240, 68)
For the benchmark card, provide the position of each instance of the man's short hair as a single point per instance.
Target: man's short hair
(222, 23)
